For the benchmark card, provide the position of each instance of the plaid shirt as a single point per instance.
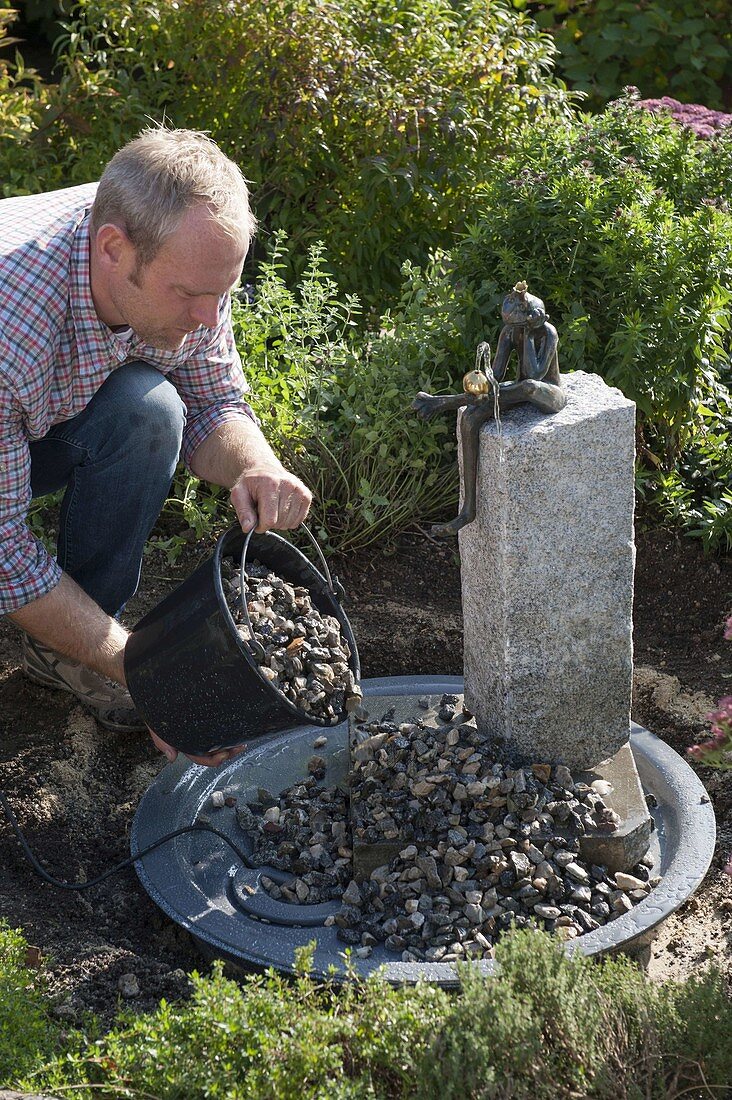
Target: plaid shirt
(55, 353)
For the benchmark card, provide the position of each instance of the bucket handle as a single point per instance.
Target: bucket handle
(336, 588)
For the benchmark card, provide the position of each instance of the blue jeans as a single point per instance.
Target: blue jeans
(116, 460)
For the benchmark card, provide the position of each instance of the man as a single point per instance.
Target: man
(116, 356)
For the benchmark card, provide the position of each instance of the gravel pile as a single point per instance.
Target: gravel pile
(299, 650)
(482, 843)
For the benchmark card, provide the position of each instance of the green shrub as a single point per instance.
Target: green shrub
(335, 402)
(24, 101)
(681, 48)
(545, 1026)
(362, 123)
(603, 220)
(539, 1031)
(265, 1038)
(27, 1032)
(620, 222)
(694, 494)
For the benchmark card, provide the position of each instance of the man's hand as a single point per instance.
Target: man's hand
(209, 759)
(264, 494)
(269, 496)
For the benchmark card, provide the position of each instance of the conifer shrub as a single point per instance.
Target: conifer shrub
(555, 1027)
(538, 1032)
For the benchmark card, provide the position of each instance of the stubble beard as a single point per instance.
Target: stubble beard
(160, 339)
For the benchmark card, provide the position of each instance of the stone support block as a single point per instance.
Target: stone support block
(621, 850)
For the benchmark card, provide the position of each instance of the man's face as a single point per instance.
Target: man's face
(180, 289)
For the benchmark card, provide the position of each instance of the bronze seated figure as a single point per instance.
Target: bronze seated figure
(526, 331)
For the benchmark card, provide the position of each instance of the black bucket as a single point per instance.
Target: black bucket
(192, 677)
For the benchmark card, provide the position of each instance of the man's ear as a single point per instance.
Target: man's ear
(115, 251)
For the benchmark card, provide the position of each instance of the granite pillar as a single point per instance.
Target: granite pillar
(547, 578)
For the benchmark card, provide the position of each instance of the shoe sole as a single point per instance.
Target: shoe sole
(39, 678)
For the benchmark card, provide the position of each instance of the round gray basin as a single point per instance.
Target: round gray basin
(201, 884)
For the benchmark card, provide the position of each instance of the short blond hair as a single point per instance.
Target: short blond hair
(148, 186)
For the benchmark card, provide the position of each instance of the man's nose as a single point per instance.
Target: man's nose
(205, 311)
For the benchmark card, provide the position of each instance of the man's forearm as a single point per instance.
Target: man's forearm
(264, 494)
(71, 623)
(230, 451)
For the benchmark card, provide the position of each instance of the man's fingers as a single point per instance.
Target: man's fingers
(302, 511)
(167, 750)
(215, 759)
(293, 507)
(283, 509)
(229, 754)
(244, 506)
(207, 759)
(268, 510)
(210, 760)
(256, 502)
(295, 510)
(270, 499)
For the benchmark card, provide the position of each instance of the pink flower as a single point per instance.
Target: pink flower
(716, 752)
(721, 718)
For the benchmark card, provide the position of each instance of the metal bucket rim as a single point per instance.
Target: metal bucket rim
(241, 645)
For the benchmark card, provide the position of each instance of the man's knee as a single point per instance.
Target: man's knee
(149, 415)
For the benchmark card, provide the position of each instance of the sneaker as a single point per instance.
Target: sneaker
(110, 703)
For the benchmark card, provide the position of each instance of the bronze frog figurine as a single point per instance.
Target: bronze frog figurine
(527, 331)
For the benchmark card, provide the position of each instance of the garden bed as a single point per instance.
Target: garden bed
(75, 787)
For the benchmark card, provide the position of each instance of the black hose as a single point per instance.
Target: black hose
(40, 870)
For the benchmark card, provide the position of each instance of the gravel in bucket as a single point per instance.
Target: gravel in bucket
(488, 842)
(301, 652)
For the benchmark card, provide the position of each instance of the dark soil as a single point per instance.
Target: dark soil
(75, 787)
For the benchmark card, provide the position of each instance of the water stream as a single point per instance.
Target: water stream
(483, 363)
